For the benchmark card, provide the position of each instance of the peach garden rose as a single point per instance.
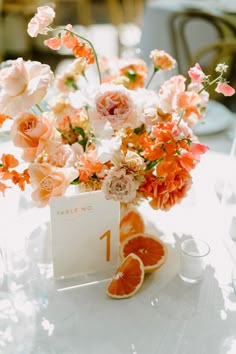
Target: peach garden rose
(115, 105)
(49, 181)
(30, 133)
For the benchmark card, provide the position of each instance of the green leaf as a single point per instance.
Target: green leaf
(80, 131)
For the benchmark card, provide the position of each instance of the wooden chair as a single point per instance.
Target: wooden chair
(182, 36)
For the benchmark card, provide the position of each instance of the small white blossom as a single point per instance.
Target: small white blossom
(221, 68)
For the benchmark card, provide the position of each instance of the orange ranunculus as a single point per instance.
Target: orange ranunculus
(165, 191)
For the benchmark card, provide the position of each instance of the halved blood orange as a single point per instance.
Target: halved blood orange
(127, 279)
(131, 222)
(150, 249)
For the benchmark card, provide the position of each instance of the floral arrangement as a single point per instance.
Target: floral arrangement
(110, 132)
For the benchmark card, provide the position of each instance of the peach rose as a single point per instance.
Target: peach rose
(120, 186)
(162, 60)
(22, 85)
(49, 182)
(30, 133)
(60, 155)
(115, 105)
(41, 20)
(61, 107)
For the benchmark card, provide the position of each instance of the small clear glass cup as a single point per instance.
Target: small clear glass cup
(193, 256)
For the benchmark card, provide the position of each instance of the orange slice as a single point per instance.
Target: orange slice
(127, 279)
(131, 223)
(150, 249)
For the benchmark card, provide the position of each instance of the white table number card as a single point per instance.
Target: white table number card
(85, 237)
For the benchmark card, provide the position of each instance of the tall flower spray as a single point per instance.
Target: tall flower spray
(113, 134)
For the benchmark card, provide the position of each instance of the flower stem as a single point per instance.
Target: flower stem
(152, 76)
(39, 108)
(180, 117)
(210, 83)
(93, 49)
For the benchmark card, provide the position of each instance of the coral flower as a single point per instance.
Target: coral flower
(225, 89)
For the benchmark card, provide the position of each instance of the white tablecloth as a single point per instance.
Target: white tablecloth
(165, 316)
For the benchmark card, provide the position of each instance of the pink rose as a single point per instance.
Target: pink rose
(22, 85)
(30, 133)
(119, 186)
(115, 105)
(196, 74)
(49, 182)
(225, 89)
(41, 20)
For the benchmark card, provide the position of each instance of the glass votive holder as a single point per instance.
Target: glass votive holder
(193, 255)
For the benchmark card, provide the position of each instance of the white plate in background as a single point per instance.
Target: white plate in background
(217, 118)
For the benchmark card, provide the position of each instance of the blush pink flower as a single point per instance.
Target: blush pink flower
(30, 133)
(49, 181)
(60, 155)
(169, 92)
(115, 105)
(41, 20)
(196, 74)
(22, 85)
(120, 186)
(225, 89)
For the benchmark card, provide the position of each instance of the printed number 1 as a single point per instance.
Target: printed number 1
(107, 234)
